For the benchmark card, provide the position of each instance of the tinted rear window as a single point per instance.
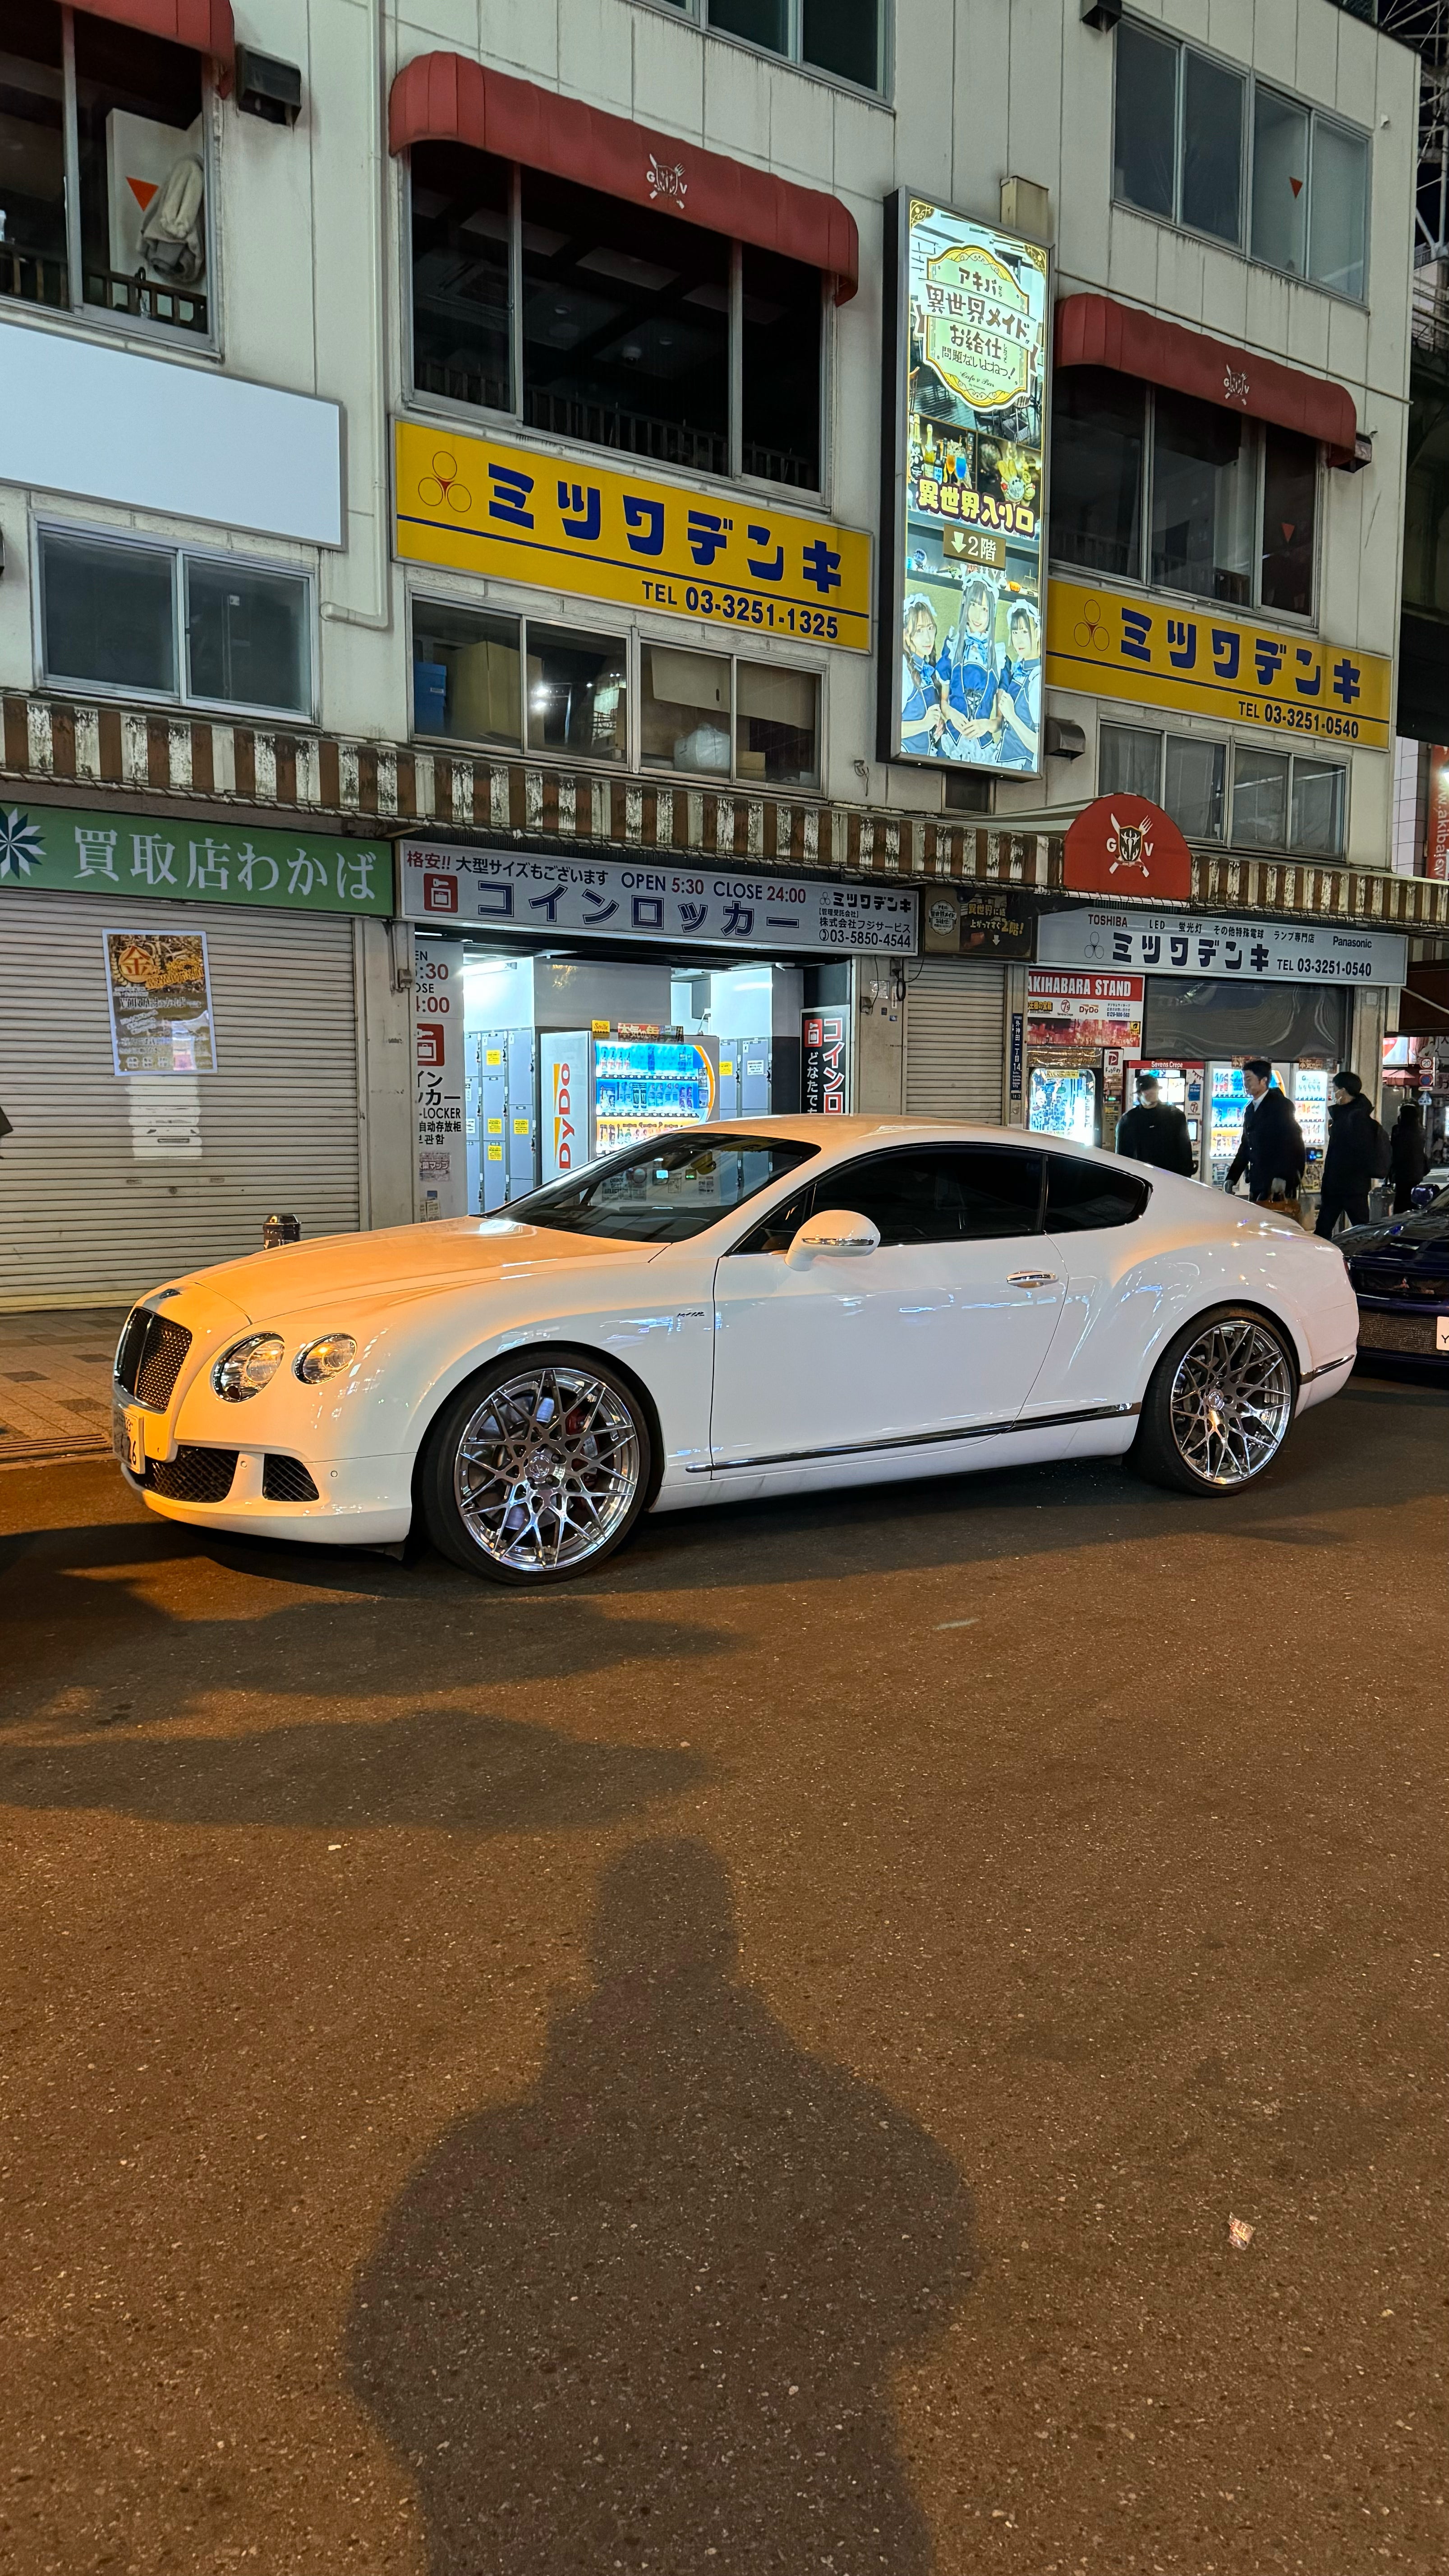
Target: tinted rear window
(1084, 1197)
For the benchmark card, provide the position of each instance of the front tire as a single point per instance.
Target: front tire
(537, 1469)
(1219, 1406)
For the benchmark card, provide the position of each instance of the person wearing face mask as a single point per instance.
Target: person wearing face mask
(1271, 1149)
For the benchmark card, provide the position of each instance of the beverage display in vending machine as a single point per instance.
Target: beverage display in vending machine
(1066, 1101)
(604, 1089)
(1228, 1100)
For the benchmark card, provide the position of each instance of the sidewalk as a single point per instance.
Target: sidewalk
(55, 1380)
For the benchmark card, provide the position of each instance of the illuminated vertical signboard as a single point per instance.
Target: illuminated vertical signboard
(961, 608)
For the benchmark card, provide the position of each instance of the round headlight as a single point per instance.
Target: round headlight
(327, 1358)
(248, 1366)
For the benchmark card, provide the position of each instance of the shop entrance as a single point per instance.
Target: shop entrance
(563, 1058)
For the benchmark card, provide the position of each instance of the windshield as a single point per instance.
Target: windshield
(683, 1184)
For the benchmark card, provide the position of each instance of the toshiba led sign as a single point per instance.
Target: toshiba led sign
(961, 615)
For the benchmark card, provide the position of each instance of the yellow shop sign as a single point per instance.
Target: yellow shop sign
(1195, 662)
(730, 557)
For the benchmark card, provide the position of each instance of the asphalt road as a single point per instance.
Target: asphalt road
(746, 2065)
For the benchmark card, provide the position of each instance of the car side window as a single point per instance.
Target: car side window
(1082, 1198)
(777, 1231)
(941, 1193)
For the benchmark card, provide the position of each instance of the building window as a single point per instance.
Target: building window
(632, 330)
(103, 169)
(159, 622)
(483, 676)
(1226, 506)
(843, 37)
(721, 717)
(1280, 801)
(1269, 175)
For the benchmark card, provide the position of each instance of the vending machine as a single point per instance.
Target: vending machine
(1227, 1104)
(601, 1089)
(503, 1153)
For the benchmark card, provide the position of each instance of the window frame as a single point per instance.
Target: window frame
(170, 335)
(416, 399)
(1252, 81)
(844, 1172)
(636, 639)
(695, 13)
(1142, 579)
(1232, 743)
(180, 551)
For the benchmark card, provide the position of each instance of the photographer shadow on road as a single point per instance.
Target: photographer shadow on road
(648, 2315)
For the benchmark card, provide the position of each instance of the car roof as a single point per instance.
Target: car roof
(865, 1127)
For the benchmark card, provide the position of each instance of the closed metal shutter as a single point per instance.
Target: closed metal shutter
(955, 1034)
(111, 1183)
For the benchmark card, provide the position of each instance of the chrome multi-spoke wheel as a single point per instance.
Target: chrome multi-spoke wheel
(544, 1465)
(1232, 1401)
(1220, 1404)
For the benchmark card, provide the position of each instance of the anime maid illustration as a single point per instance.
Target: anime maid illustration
(968, 671)
(1018, 691)
(922, 721)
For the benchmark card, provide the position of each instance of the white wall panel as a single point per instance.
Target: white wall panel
(80, 417)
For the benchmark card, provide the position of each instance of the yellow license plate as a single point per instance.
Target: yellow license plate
(134, 1426)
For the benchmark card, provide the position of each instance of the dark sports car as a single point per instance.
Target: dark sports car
(1400, 1275)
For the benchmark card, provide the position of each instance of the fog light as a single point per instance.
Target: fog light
(248, 1366)
(324, 1359)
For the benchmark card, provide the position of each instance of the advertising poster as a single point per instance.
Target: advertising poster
(159, 987)
(823, 1064)
(1083, 1011)
(963, 633)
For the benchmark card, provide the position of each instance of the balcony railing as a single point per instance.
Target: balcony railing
(34, 276)
(146, 300)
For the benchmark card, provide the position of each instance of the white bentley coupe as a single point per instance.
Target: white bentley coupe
(767, 1307)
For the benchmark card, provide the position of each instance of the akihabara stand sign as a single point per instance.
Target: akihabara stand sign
(1084, 1011)
(698, 906)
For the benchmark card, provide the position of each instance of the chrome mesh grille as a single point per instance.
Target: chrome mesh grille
(149, 1358)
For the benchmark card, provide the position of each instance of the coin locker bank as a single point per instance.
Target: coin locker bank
(544, 1039)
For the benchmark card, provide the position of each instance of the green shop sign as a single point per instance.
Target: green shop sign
(137, 854)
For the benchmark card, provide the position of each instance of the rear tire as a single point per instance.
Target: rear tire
(537, 1469)
(1219, 1406)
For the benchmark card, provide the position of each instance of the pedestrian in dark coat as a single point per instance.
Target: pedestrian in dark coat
(1153, 1133)
(1349, 1164)
(1271, 1149)
(1411, 1155)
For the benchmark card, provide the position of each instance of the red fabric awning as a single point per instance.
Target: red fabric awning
(446, 98)
(1093, 331)
(205, 25)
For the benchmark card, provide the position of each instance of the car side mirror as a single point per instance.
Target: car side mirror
(834, 1232)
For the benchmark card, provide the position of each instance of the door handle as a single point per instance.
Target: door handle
(1031, 1279)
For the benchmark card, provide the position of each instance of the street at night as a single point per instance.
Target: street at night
(748, 2062)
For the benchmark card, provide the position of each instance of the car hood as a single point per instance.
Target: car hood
(397, 1261)
(1402, 1237)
